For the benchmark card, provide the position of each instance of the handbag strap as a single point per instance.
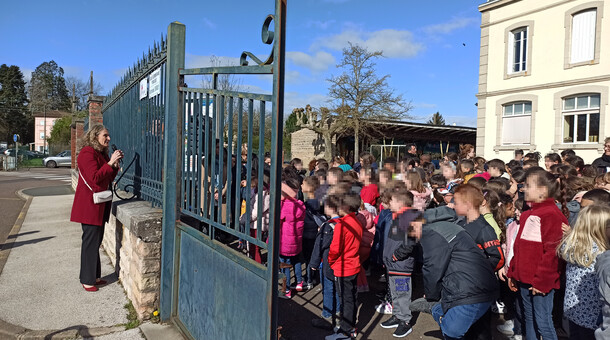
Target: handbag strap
(87, 184)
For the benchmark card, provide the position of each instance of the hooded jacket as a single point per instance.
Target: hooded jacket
(602, 268)
(343, 255)
(398, 249)
(485, 237)
(456, 271)
(602, 164)
(292, 217)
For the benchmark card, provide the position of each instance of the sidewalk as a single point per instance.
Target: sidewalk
(39, 287)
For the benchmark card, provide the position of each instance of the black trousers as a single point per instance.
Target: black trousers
(348, 295)
(90, 266)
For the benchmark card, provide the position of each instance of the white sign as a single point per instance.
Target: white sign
(155, 83)
(143, 88)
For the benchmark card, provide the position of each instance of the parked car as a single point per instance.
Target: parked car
(63, 158)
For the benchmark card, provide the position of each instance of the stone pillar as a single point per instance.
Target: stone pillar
(95, 109)
(77, 131)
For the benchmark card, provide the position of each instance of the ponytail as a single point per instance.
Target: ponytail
(563, 194)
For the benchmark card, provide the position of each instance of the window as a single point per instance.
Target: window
(42, 123)
(583, 36)
(517, 53)
(516, 123)
(581, 118)
(42, 135)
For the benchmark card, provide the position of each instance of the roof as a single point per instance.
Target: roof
(491, 4)
(52, 114)
(422, 131)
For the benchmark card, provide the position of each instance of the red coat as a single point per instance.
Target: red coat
(343, 255)
(535, 259)
(93, 165)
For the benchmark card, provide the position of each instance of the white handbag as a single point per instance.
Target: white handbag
(98, 197)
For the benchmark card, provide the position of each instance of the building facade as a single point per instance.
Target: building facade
(44, 120)
(544, 77)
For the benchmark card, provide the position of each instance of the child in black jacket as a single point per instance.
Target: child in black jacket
(319, 260)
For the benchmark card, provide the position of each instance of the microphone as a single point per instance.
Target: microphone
(113, 150)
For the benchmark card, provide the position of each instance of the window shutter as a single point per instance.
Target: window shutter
(583, 36)
(516, 129)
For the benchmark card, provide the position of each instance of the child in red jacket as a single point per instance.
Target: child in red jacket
(345, 262)
(535, 268)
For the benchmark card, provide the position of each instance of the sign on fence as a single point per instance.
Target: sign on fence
(143, 88)
(155, 83)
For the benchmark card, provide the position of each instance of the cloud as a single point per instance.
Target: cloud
(323, 25)
(319, 62)
(393, 43)
(449, 26)
(293, 77)
(209, 23)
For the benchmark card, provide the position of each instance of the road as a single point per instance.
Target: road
(46, 181)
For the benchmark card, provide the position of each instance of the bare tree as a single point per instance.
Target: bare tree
(323, 122)
(81, 89)
(362, 96)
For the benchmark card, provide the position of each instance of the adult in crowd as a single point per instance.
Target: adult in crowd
(412, 150)
(456, 273)
(96, 173)
(602, 164)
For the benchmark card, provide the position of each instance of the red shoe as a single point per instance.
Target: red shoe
(90, 289)
(100, 282)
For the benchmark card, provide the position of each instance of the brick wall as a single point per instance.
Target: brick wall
(76, 132)
(95, 110)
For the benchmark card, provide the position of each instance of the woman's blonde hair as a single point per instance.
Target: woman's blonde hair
(577, 246)
(90, 138)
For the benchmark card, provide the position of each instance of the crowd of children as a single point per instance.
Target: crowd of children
(515, 238)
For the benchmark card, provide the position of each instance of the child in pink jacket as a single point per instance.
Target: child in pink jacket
(292, 220)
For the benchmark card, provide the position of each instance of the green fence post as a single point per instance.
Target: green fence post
(172, 168)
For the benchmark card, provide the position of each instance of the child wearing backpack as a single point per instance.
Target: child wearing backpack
(399, 260)
(319, 261)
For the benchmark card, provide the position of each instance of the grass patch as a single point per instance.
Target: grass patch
(31, 163)
(132, 316)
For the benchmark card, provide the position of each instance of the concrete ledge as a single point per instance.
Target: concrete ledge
(140, 218)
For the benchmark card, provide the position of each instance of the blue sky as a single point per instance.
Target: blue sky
(423, 42)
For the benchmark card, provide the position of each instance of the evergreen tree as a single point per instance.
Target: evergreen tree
(437, 119)
(14, 117)
(48, 88)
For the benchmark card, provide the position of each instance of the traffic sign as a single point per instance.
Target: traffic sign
(15, 138)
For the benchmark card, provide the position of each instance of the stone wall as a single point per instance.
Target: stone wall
(132, 240)
(77, 130)
(307, 145)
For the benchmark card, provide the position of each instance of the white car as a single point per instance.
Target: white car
(63, 158)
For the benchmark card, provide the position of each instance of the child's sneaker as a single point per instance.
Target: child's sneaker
(402, 330)
(299, 286)
(309, 286)
(392, 322)
(286, 295)
(507, 327)
(384, 308)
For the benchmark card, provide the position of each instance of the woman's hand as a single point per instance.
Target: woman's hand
(116, 156)
(565, 228)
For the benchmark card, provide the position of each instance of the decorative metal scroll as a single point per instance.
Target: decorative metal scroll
(128, 186)
(267, 36)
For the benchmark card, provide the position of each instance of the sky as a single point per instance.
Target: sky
(431, 48)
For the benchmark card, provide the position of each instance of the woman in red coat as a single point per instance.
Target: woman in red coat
(98, 170)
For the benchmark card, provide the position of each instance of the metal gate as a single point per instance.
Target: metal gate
(209, 289)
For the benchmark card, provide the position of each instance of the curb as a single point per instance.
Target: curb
(4, 253)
